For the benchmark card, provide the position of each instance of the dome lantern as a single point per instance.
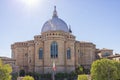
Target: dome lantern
(55, 12)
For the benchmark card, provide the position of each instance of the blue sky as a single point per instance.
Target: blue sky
(96, 21)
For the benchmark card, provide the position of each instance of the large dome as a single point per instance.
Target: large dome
(55, 24)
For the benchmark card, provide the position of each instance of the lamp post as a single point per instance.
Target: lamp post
(53, 76)
(17, 69)
(54, 55)
(54, 67)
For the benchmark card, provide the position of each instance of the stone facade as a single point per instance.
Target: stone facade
(70, 53)
(103, 53)
(27, 53)
(86, 53)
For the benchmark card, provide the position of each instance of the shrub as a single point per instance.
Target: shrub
(82, 77)
(36, 76)
(22, 73)
(28, 78)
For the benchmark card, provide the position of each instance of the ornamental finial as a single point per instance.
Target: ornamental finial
(55, 12)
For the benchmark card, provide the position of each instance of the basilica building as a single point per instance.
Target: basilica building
(56, 44)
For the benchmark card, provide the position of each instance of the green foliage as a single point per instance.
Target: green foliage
(48, 75)
(82, 70)
(68, 76)
(22, 73)
(28, 78)
(82, 77)
(117, 64)
(36, 76)
(104, 69)
(72, 75)
(79, 70)
(86, 71)
(14, 76)
(61, 75)
(5, 71)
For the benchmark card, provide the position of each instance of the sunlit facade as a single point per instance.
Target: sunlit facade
(55, 43)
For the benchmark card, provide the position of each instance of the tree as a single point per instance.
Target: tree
(22, 73)
(117, 64)
(14, 76)
(35, 75)
(79, 70)
(28, 78)
(104, 69)
(82, 77)
(5, 70)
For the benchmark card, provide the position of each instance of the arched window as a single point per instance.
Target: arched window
(68, 53)
(40, 53)
(54, 50)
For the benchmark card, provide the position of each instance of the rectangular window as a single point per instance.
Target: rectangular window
(54, 50)
(41, 54)
(68, 54)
